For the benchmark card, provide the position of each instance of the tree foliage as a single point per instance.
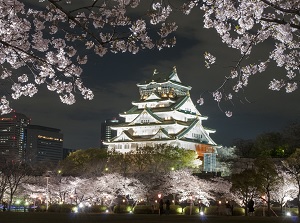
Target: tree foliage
(271, 144)
(246, 185)
(13, 174)
(145, 160)
(268, 177)
(89, 162)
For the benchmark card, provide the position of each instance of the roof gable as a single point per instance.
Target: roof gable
(153, 96)
(124, 136)
(199, 133)
(161, 134)
(174, 77)
(145, 117)
(186, 104)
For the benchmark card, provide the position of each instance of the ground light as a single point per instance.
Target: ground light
(18, 202)
(202, 216)
(288, 213)
(75, 209)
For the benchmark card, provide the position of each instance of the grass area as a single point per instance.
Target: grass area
(17, 217)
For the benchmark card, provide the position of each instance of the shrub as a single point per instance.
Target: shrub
(96, 209)
(187, 210)
(41, 208)
(64, 208)
(148, 209)
(144, 209)
(238, 211)
(175, 209)
(122, 208)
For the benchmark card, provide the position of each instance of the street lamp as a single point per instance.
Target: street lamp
(34, 200)
(71, 198)
(264, 202)
(191, 204)
(159, 205)
(47, 191)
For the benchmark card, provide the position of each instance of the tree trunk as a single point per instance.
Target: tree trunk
(269, 204)
(298, 204)
(10, 202)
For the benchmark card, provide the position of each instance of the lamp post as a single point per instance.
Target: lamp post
(71, 198)
(264, 202)
(47, 191)
(34, 200)
(191, 204)
(159, 204)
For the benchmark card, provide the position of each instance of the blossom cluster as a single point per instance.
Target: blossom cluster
(43, 41)
(245, 24)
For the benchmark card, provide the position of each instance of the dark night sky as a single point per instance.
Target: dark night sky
(113, 79)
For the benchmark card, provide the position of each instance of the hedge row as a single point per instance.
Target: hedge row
(174, 209)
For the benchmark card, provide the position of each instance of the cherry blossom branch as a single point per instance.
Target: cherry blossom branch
(18, 49)
(293, 11)
(281, 21)
(23, 51)
(71, 17)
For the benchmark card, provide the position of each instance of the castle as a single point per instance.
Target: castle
(165, 114)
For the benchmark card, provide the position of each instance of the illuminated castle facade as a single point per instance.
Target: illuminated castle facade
(165, 114)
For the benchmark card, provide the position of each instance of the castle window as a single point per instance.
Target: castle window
(197, 136)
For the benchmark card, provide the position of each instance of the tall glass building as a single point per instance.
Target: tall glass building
(12, 136)
(43, 144)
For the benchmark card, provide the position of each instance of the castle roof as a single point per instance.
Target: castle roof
(165, 113)
(165, 78)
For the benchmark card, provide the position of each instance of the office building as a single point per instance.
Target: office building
(107, 132)
(43, 144)
(12, 136)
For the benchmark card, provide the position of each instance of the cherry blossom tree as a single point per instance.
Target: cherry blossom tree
(153, 184)
(285, 189)
(40, 42)
(220, 187)
(3, 184)
(107, 189)
(15, 173)
(245, 186)
(292, 167)
(34, 189)
(59, 190)
(244, 25)
(186, 186)
(268, 177)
